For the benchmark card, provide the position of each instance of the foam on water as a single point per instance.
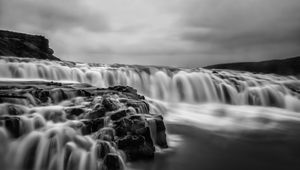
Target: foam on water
(214, 100)
(173, 85)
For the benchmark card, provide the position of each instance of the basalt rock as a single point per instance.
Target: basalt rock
(106, 134)
(136, 147)
(98, 113)
(125, 89)
(123, 126)
(25, 45)
(139, 106)
(112, 162)
(103, 149)
(110, 104)
(119, 114)
(92, 125)
(72, 113)
(13, 125)
(106, 120)
(158, 130)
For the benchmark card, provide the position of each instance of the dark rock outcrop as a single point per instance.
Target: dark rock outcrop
(25, 45)
(112, 162)
(116, 117)
(290, 66)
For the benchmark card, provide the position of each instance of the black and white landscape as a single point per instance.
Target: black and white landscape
(149, 85)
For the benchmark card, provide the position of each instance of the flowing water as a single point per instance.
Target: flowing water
(245, 113)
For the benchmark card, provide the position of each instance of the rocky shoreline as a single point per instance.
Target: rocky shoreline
(117, 121)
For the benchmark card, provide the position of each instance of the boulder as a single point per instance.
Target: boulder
(13, 125)
(118, 115)
(123, 126)
(72, 113)
(102, 148)
(112, 162)
(98, 113)
(14, 110)
(130, 141)
(110, 104)
(92, 125)
(140, 106)
(136, 147)
(106, 133)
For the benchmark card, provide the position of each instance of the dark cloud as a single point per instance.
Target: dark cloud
(179, 32)
(50, 15)
(254, 28)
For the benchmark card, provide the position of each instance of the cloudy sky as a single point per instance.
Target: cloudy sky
(187, 33)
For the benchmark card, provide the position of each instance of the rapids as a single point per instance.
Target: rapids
(167, 84)
(229, 103)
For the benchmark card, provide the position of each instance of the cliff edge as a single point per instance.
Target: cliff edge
(25, 45)
(289, 66)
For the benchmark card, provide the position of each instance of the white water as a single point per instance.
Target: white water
(219, 100)
(189, 86)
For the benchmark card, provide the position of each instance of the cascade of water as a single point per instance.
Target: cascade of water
(192, 86)
(203, 98)
(39, 139)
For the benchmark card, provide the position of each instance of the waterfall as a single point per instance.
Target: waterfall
(167, 84)
(43, 137)
(57, 148)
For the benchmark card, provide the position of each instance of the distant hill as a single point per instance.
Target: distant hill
(25, 45)
(290, 66)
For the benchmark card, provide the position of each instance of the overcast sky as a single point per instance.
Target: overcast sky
(188, 33)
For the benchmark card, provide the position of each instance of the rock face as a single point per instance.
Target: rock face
(107, 120)
(25, 45)
(290, 66)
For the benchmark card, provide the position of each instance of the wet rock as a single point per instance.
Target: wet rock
(72, 113)
(98, 113)
(14, 110)
(160, 125)
(136, 117)
(144, 151)
(83, 93)
(42, 95)
(118, 114)
(137, 125)
(106, 134)
(53, 114)
(146, 133)
(115, 118)
(58, 95)
(91, 126)
(102, 148)
(110, 104)
(127, 92)
(139, 106)
(130, 141)
(112, 162)
(157, 128)
(126, 89)
(123, 126)
(139, 146)
(13, 125)
(161, 139)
